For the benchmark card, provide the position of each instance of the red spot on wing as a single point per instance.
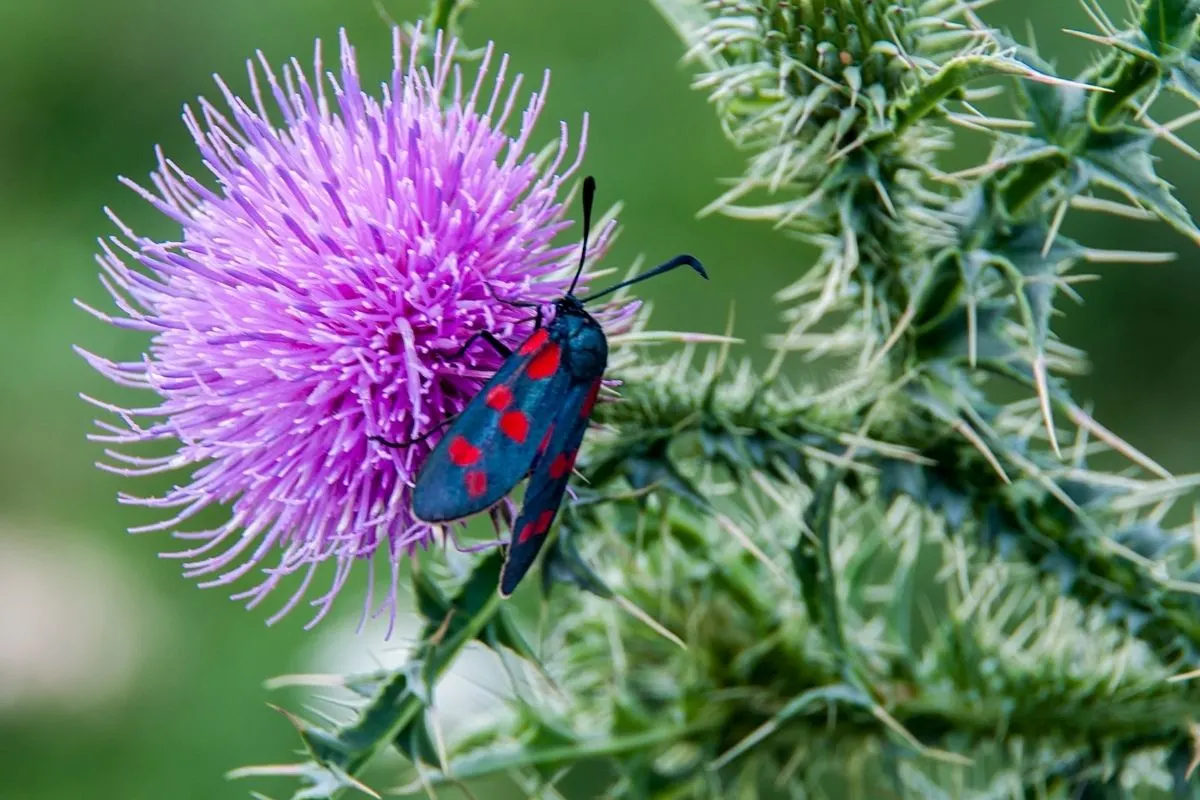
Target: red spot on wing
(590, 403)
(499, 397)
(534, 342)
(476, 481)
(545, 363)
(562, 464)
(536, 527)
(462, 452)
(515, 426)
(546, 440)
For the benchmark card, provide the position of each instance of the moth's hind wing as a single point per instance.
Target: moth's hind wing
(548, 483)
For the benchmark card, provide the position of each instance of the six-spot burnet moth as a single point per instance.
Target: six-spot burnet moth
(528, 419)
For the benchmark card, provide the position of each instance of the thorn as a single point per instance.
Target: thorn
(1098, 256)
(974, 438)
(1195, 529)
(657, 337)
(983, 122)
(1027, 72)
(1144, 107)
(350, 780)
(1085, 420)
(303, 679)
(884, 198)
(749, 740)
(1056, 222)
(987, 93)
(832, 84)
(650, 621)
(297, 722)
(436, 637)
(966, 122)
(1171, 139)
(900, 45)
(850, 148)
(268, 771)
(1031, 35)
(1043, 390)
(1194, 735)
(897, 451)
(781, 169)
(929, 752)
(902, 324)
(1097, 15)
(968, 11)
(974, 172)
(746, 542)
(723, 352)
(789, 768)
(1111, 207)
(1180, 122)
(972, 331)
(1108, 41)
(439, 743)
(328, 719)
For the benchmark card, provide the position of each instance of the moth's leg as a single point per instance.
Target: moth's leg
(500, 347)
(420, 438)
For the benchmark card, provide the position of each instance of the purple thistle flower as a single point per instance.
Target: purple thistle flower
(314, 299)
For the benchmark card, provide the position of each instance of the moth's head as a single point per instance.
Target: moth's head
(568, 304)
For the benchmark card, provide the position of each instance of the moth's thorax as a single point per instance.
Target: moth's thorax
(584, 344)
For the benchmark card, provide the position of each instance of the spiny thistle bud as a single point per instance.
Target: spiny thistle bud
(804, 82)
(832, 51)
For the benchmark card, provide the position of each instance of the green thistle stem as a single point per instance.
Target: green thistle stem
(819, 525)
(396, 706)
(1046, 533)
(497, 763)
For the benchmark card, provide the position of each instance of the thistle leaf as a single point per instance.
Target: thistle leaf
(394, 714)
(1056, 110)
(1120, 160)
(843, 694)
(563, 563)
(955, 74)
(1169, 27)
(416, 742)
(439, 612)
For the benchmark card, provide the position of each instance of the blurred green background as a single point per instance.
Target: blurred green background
(120, 679)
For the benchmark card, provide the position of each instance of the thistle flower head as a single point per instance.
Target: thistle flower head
(317, 296)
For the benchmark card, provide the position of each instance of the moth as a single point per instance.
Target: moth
(529, 419)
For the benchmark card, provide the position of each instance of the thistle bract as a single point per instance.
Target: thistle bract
(319, 294)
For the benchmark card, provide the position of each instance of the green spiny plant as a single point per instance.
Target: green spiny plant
(898, 584)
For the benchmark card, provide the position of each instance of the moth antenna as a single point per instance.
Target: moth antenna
(666, 266)
(589, 195)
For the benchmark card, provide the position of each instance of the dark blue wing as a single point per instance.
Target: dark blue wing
(548, 482)
(490, 447)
